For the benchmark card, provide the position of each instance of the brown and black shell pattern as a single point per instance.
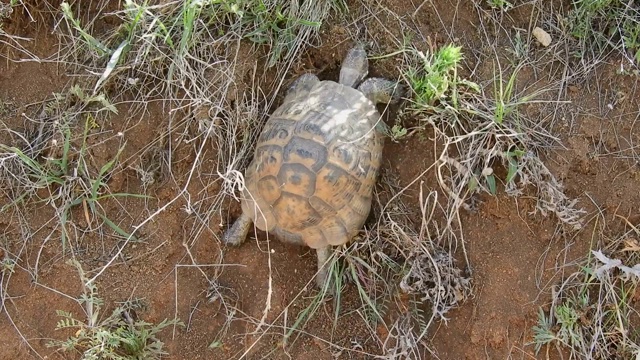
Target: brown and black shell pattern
(315, 165)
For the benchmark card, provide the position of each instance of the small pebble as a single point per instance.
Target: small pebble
(542, 36)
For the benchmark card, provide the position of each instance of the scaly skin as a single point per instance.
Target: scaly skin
(382, 91)
(355, 67)
(323, 255)
(237, 234)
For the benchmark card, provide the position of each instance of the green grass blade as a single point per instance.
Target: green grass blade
(116, 228)
(111, 65)
(93, 42)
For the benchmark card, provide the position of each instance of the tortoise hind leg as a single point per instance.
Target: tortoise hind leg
(237, 233)
(323, 266)
(355, 67)
(382, 91)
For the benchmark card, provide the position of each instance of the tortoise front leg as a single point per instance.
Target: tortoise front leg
(323, 271)
(237, 233)
(355, 67)
(301, 85)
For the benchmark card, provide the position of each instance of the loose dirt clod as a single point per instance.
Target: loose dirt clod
(542, 36)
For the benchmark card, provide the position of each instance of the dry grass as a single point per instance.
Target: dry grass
(592, 311)
(215, 70)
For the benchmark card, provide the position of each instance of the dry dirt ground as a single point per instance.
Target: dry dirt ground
(514, 254)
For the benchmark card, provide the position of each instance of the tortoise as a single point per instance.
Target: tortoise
(316, 161)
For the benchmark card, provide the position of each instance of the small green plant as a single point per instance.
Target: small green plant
(506, 102)
(504, 108)
(520, 49)
(434, 81)
(7, 265)
(119, 336)
(543, 332)
(631, 37)
(398, 132)
(503, 5)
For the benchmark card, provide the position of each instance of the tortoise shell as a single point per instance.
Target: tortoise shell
(315, 165)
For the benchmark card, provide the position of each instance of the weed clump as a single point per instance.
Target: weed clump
(5, 12)
(51, 161)
(172, 48)
(600, 25)
(483, 131)
(593, 312)
(119, 336)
